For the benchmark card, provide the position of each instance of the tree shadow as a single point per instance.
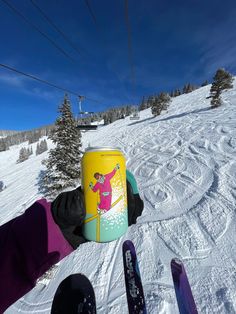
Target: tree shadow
(176, 116)
(141, 121)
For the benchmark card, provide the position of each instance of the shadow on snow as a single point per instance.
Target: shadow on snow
(176, 116)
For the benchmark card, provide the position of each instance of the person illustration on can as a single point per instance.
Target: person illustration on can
(103, 185)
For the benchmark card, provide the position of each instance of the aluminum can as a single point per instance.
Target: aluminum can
(105, 193)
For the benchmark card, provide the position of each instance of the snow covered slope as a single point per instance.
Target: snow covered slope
(185, 165)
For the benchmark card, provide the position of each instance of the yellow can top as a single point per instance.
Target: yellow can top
(100, 148)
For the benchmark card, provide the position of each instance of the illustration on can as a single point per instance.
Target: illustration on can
(104, 186)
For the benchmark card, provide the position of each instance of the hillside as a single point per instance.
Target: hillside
(5, 133)
(184, 163)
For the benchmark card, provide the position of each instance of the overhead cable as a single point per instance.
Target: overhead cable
(44, 82)
(16, 11)
(66, 38)
(91, 12)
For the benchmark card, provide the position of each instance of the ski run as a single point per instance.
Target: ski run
(185, 164)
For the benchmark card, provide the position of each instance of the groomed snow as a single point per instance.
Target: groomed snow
(185, 165)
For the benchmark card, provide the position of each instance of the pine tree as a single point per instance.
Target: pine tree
(177, 92)
(112, 116)
(37, 150)
(45, 145)
(128, 110)
(156, 107)
(3, 145)
(41, 147)
(28, 151)
(23, 155)
(188, 88)
(185, 89)
(122, 113)
(63, 163)
(143, 104)
(34, 137)
(106, 119)
(165, 99)
(160, 103)
(221, 81)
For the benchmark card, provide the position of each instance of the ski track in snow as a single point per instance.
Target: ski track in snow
(185, 166)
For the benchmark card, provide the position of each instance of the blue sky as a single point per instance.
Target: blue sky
(173, 43)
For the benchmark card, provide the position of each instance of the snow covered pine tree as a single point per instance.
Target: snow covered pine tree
(222, 80)
(63, 163)
(160, 103)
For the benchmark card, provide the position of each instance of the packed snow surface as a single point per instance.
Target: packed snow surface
(184, 162)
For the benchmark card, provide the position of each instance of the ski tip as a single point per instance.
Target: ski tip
(176, 261)
(183, 291)
(128, 243)
(74, 295)
(176, 266)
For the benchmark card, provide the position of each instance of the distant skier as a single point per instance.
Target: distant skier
(47, 232)
(104, 187)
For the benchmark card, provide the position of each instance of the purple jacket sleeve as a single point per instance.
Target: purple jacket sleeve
(29, 245)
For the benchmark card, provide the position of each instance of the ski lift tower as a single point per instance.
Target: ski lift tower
(81, 98)
(84, 114)
(135, 113)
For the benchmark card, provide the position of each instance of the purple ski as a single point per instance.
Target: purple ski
(183, 291)
(133, 284)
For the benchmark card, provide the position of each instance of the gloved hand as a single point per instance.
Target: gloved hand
(68, 211)
(91, 185)
(135, 203)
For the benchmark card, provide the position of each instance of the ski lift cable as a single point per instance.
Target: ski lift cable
(17, 12)
(46, 17)
(92, 14)
(45, 82)
(49, 20)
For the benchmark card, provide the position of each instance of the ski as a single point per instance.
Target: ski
(74, 295)
(133, 284)
(182, 287)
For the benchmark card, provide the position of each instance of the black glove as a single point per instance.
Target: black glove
(135, 204)
(68, 211)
